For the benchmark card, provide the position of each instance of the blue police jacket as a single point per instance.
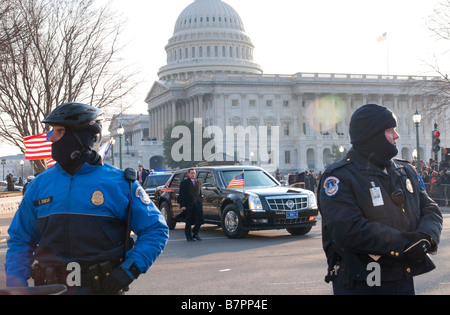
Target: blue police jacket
(82, 218)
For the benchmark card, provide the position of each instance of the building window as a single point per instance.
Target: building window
(216, 51)
(223, 51)
(193, 52)
(252, 103)
(200, 52)
(235, 103)
(286, 129)
(287, 157)
(269, 129)
(208, 51)
(269, 103)
(285, 103)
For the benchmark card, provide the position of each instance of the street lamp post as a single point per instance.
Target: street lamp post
(21, 165)
(112, 151)
(417, 118)
(3, 164)
(120, 132)
(127, 143)
(341, 149)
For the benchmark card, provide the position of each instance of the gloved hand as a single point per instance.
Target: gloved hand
(116, 281)
(418, 248)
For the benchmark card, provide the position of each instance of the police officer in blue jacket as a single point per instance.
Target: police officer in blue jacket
(72, 223)
(378, 223)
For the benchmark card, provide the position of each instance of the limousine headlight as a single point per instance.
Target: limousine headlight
(312, 202)
(254, 203)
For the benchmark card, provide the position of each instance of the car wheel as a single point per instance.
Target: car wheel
(167, 214)
(299, 231)
(232, 223)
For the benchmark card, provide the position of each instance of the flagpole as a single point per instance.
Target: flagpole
(243, 188)
(387, 55)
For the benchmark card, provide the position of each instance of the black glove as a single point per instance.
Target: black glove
(116, 281)
(418, 248)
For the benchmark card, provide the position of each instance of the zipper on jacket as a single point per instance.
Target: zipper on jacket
(67, 218)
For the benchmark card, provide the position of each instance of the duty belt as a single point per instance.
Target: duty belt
(92, 275)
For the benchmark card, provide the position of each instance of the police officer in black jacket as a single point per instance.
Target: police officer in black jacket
(378, 223)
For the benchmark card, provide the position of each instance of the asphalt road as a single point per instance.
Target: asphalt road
(264, 263)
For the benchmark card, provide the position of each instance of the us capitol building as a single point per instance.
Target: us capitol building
(284, 122)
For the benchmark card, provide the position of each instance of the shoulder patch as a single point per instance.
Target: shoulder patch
(142, 195)
(331, 186)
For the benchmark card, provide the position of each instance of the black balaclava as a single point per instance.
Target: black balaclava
(367, 133)
(74, 149)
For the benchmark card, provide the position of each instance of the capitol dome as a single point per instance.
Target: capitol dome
(209, 37)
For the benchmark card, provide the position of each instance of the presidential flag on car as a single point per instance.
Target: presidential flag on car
(237, 181)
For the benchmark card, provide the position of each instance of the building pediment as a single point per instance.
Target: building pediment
(157, 89)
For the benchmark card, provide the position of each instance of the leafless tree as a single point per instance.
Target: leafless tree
(438, 89)
(66, 51)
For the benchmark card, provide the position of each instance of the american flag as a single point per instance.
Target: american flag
(50, 162)
(237, 181)
(38, 147)
(382, 37)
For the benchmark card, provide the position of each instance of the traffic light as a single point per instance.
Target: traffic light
(446, 154)
(436, 141)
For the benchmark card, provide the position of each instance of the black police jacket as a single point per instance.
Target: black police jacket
(366, 210)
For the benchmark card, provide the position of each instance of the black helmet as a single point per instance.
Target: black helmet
(76, 116)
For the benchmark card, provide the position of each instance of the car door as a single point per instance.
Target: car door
(211, 196)
(174, 190)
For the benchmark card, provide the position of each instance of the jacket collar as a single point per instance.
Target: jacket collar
(362, 163)
(85, 169)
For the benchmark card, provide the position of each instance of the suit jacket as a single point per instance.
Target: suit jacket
(144, 175)
(189, 194)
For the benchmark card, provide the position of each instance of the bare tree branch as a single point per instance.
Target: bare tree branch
(57, 51)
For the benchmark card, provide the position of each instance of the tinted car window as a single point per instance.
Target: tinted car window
(206, 178)
(156, 180)
(175, 181)
(201, 177)
(210, 179)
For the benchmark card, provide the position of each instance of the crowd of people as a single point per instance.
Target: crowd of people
(307, 179)
(436, 182)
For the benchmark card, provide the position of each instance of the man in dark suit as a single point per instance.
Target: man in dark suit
(190, 200)
(142, 174)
